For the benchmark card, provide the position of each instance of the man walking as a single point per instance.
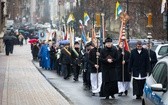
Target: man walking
(138, 66)
(95, 67)
(109, 58)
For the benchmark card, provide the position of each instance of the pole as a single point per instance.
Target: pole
(97, 59)
(123, 60)
(102, 14)
(128, 20)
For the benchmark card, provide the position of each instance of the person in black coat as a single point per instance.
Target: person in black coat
(76, 60)
(138, 66)
(95, 69)
(65, 62)
(152, 57)
(8, 41)
(109, 57)
(52, 57)
(86, 70)
(35, 50)
(123, 80)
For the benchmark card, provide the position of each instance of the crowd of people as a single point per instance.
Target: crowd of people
(106, 71)
(12, 38)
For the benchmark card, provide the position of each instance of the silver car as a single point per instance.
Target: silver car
(156, 88)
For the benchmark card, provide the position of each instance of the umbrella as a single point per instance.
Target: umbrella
(9, 37)
(63, 42)
(33, 41)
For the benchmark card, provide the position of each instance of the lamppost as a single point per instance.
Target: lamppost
(149, 42)
(128, 20)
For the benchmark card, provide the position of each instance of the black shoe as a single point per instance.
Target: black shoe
(120, 94)
(138, 97)
(113, 96)
(107, 97)
(75, 79)
(93, 94)
(126, 92)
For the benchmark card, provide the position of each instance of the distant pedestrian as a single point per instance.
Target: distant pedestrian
(152, 57)
(35, 50)
(9, 43)
(65, 61)
(138, 66)
(45, 56)
(21, 37)
(52, 56)
(75, 55)
(109, 58)
(86, 67)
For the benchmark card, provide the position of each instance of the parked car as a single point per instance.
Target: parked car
(160, 49)
(156, 88)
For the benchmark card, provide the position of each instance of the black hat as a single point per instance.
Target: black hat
(76, 43)
(90, 44)
(108, 40)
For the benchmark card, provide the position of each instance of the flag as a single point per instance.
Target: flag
(118, 10)
(66, 34)
(94, 39)
(72, 41)
(70, 18)
(86, 18)
(84, 38)
(163, 6)
(122, 33)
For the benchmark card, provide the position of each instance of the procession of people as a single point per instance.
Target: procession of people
(106, 71)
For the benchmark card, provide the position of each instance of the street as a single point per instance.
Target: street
(76, 95)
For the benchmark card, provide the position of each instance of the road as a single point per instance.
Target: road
(76, 95)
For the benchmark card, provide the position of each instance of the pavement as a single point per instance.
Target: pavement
(22, 84)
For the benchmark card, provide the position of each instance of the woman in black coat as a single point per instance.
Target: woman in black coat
(123, 80)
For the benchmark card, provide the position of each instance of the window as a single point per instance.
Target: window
(163, 50)
(160, 74)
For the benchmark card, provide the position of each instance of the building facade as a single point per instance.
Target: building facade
(3, 15)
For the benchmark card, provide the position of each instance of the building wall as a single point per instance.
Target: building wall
(2, 23)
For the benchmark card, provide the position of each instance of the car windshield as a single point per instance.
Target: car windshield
(154, 47)
(160, 73)
(163, 50)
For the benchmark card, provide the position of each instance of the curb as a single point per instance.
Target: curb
(68, 99)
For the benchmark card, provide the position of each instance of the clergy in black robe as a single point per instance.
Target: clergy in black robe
(124, 76)
(109, 58)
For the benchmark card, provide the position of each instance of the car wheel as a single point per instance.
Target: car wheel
(143, 102)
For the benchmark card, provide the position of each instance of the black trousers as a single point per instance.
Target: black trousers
(138, 86)
(76, 70)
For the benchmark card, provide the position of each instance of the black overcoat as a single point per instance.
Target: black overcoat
(93, 60)
(139, 63)
(153, 60)
(109, 72)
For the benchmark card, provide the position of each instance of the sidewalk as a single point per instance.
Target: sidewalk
(22, 84)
